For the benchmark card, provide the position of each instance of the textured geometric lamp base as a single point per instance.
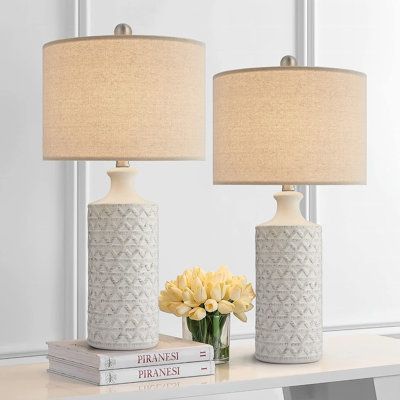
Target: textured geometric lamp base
(288, 276)
(123, 269)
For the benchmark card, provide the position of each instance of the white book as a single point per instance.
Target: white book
(170, 350)
(131, 375)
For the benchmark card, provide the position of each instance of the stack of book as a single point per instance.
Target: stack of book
(172, 358)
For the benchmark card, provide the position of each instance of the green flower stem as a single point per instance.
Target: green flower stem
(204, 329)
(216, 329)
(209, 330)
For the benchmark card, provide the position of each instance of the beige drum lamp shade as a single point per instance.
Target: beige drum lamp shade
(290, 125)
(123, 98)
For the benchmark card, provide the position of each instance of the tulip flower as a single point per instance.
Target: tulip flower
(182, 282)
(197, 313)
(242, 316)
(235, 292)
(211, 305)
(225, 307)
(248, 293)
(240, 306)
(225, 291)
(189, 277)
(199, 291)
(172, 307)
(182, 309)
(164, 305)
(173, 292)
(216, 292)
(224, 271)
(188, 298)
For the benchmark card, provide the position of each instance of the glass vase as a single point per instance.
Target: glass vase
(213, 329)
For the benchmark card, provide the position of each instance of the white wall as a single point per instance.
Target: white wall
(362, 224)
(202, 224)
(31, 191)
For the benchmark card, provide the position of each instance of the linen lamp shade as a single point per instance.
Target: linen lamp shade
(290, 125)
(123, 98)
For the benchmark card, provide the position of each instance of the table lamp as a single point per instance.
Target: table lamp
(123, 97)
(289, 125)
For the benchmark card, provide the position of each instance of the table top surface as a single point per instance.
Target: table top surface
(346, 357)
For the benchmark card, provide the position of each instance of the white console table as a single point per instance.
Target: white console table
(356, 367)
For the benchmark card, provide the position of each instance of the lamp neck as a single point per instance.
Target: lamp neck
(288, 188)
(122, 189)
(123, 163)
(288, 209)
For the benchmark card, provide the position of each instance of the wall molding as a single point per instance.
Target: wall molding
(82, 253)
(310, 61)
(301, 31)
(301, 56)
(70, 232)
(384, 329)
(83, 21)
(70, 250)
(19, 351)
(304, 49)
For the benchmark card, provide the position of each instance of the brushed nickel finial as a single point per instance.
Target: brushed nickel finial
(288, 61)
(122, 29)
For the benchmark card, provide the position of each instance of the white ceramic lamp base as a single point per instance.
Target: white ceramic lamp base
(123, 268)
(288, 277)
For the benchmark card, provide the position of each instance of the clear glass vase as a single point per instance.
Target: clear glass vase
(213, 329)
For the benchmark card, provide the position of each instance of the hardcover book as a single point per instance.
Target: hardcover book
(130, 375)
(170, 350)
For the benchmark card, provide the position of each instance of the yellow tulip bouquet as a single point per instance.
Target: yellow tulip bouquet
(205, 300)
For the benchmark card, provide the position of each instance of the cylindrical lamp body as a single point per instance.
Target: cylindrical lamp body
(123, 276)
(289, 293)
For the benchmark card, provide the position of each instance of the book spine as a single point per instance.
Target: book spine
(149, 358)
(156, 372)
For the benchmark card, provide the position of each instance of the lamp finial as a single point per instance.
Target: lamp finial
(288, 61)
(122, 29)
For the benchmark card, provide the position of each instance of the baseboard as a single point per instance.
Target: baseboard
(21, 351)
(384, 329)
(391, 329)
